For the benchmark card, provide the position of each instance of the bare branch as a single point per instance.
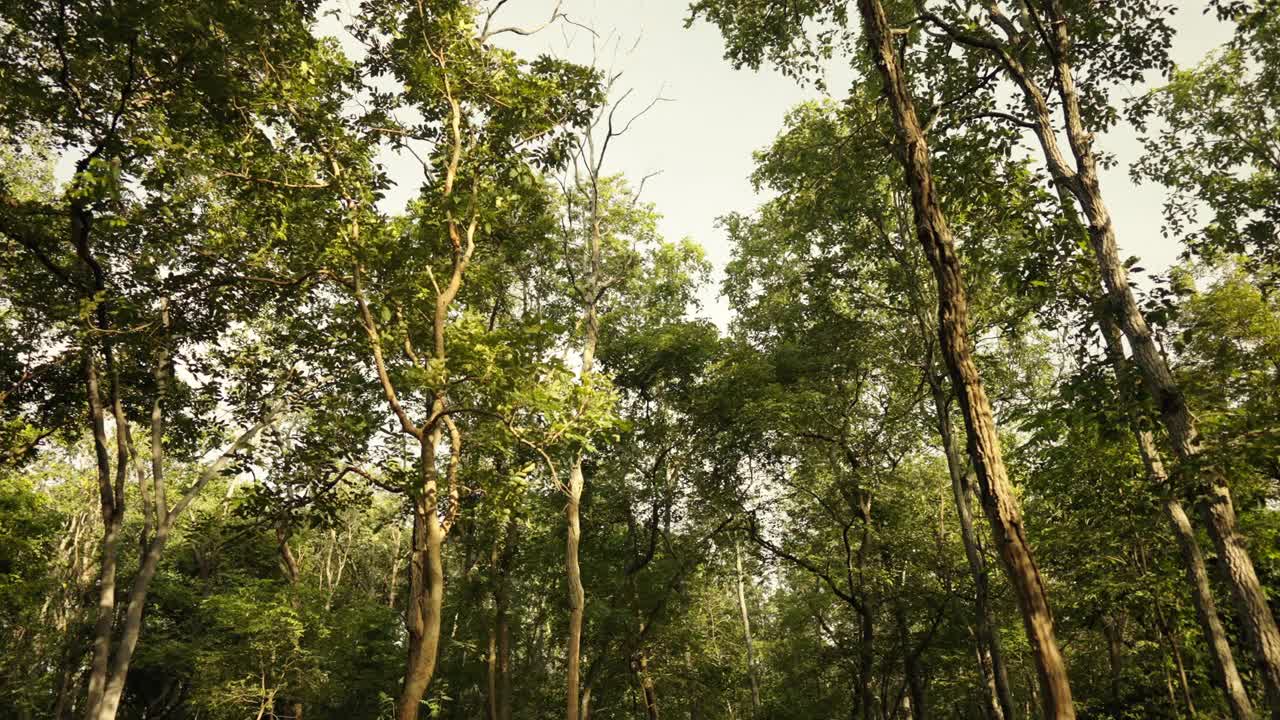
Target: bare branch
(486, 33)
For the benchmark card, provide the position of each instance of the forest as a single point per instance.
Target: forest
(346, 373)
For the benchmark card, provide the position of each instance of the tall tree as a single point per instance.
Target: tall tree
(1047, 28)
(984, 446)
(145, 240)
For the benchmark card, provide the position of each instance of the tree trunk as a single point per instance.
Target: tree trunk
(989, 654)
(647, 689)
(1171, 646)
(1111, 631)
(866, 663)
(504, 664)
(123, 655)
(1224, 664)
(577, 595)
(866, 614)
(491, 674)
(104, 622)
(1237, 567)
(1215, 505)
(112, 506)
(998, 500)
(394, 582)
(746, 632)
(426, 586)
(573, 572)
(990, 693)
(910, 660)
(500, 633)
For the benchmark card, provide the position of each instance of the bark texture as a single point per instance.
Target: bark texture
(998, 500)
(1079, 177)
(423, 615)
(577, 595)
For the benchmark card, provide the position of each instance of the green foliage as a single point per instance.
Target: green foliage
(1215, 146)
(222, 249)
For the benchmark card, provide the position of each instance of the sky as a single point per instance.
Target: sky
(702, 141)
(702, 138)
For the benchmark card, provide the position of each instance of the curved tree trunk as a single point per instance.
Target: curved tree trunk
(998, 500)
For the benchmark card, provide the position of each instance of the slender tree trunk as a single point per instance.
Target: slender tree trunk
(102, 705)
(293, 574)
(990, 656)
(500, 632)
(577, 595)
(1111, 632)
(573, 520)
(990, 693)
(504, 666)
(104, 622)
(865, 705)
(491, 674)
(112, 506)
(123, 655)
(1171, 646)
(1224, 664)
(866, 663)
(166, 518)
(394, 582)
(746, 632)
(1001, 505)
(426, 586)
(911, 668)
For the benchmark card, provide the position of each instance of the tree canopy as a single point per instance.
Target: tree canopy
(355, 378)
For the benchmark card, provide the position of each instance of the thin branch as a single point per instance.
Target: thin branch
(486, 33)
(215, 469)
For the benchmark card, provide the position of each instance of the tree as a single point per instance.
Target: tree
(1131, 47)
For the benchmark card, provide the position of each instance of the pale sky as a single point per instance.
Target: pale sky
(702, 141)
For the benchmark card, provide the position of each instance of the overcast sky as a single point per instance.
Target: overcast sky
(703, 139)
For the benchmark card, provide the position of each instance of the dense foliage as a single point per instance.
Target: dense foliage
(272, 447)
